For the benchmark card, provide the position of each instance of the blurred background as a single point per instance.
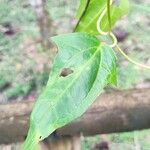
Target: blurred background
(26, 54)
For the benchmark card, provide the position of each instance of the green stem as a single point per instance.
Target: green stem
(131, 60)
(32, 139)
(109, 13)
(113, 37)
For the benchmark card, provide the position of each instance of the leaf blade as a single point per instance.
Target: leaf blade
(66, 98)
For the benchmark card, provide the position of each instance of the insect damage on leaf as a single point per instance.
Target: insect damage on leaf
(90, 66)
(65, 72)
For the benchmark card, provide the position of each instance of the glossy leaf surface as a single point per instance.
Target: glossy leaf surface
(91, 67)
(95, 7)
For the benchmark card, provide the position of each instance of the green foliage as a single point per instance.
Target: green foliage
(89, 12)
(81, 69)
(17, 13)
(90, 16)
(93, 66)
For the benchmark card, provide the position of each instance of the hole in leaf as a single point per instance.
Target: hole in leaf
(65, 72)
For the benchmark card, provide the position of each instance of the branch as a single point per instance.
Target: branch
(117, 111)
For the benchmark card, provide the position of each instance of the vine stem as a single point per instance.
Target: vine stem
(113, 37)
(108, 13)
(131, 60)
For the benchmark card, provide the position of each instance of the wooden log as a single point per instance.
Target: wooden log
(113, 112)
(117, 111)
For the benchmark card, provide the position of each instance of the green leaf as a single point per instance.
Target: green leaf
(91, 14)
(93, 11)
(91, 66)
(82, 7)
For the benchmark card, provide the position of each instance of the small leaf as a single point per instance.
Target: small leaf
(94, 10)
(91, 15)
(92, 65)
